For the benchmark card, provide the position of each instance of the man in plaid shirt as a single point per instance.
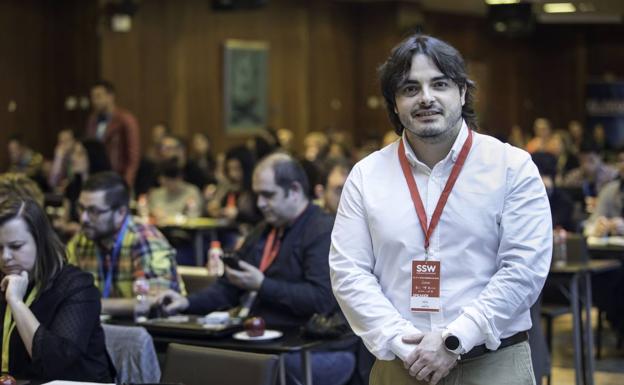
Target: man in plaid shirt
(115, 249)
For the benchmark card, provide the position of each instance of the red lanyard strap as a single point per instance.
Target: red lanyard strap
(415, 195)
(271, 248)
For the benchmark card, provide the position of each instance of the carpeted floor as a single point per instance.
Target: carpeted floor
(609, 369)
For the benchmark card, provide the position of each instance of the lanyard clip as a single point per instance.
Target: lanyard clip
(426, 254)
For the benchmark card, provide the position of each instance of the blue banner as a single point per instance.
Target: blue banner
(604, 105)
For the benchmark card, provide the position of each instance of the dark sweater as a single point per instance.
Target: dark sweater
(69, 343)
(296, 285)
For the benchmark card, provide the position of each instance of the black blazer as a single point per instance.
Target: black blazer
(296, 285)
(69, 343)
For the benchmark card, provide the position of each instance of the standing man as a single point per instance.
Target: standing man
(443, 239)
(117, 128)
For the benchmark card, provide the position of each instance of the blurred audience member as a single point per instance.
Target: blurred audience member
(330, 193)
(24, 160)
(285, 139)
(158, 132)
(88, 157)
(577, 134)
(592, 175)
(315, 146)
(262, 144)
(337, 152)
(599, 136)
(19, 185)
(117, 128)
(568, 157)
(234, 199)
(61, 164)
(543, 139)
(607, 216)
(172, 147)
(516, 137)
(561, 204)
(146, 176)
(115, 249)
(174, 196)
(201, 155)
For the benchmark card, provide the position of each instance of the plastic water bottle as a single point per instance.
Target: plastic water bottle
(215, 264)
(560, 249)
(140, 287)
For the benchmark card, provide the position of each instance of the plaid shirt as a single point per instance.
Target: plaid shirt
(144, 252)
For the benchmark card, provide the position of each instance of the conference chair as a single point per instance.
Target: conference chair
(196, 365)
(132, 351)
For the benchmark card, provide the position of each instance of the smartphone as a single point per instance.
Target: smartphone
(231, 260)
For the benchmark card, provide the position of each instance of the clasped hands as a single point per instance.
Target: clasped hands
(429, 361)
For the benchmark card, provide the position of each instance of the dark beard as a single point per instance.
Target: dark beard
(452, 129)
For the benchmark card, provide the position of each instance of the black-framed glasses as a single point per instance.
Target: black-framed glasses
(92, 211)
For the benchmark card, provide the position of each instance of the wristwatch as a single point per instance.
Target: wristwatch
(451, 343)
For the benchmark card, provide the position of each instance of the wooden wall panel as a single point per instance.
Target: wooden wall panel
(332, 67)
(169, 67)
(48, 53)
(21, 68)
(377, 33)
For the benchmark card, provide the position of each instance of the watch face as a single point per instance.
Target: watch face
(451, 342)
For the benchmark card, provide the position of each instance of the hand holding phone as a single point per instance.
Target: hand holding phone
(231, 260)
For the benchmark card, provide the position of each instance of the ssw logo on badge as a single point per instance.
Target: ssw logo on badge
(426, 269)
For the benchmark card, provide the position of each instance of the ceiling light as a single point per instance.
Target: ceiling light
(497, 2)
(559, 8)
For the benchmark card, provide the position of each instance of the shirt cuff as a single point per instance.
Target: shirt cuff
(468, 332)
(400, 348)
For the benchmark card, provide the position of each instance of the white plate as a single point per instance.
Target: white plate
(268, 335)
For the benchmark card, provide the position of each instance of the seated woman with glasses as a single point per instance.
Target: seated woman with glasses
(51, 328)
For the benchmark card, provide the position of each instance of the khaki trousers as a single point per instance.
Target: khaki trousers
(508, 366)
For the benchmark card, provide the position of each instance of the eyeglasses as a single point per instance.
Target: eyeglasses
(92, 211)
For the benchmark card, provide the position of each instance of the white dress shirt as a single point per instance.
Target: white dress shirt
(494, 243)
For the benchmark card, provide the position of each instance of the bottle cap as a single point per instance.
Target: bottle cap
(215, 245)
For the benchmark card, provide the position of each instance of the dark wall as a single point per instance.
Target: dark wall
(518, 79)
(323, 60)
(169, 67)
(48, 53)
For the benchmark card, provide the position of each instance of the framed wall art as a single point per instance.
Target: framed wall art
(246, 77)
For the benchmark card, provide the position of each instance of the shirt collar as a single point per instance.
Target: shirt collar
(453, 154)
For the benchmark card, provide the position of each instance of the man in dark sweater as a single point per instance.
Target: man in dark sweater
(283, 264)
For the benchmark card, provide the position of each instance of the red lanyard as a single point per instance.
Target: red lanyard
(411, 183)
(271, 249)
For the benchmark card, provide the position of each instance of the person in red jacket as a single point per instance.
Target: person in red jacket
(117, 128)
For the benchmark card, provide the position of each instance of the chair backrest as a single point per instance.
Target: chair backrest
(132, 351)
(195, 278)
(195, 365)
